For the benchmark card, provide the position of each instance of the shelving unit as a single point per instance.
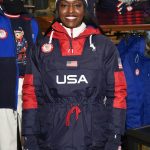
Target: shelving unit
(111, 30)
(133, 27)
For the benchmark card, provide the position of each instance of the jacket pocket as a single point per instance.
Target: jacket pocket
(99, 125)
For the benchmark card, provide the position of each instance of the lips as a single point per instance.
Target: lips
(70, 18)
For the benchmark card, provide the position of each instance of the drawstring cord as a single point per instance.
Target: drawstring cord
(91, 44)
(137, 59)
(71, 48)
(51, 37)
(73, 109)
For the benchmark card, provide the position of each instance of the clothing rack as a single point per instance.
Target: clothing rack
(116, 32)
(116, 36)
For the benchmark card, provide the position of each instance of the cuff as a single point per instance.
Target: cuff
(113, 142)
(30, 143)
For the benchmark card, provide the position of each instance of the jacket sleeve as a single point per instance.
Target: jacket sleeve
(32, 82)
(116, 95)
(30, 105)
(30, 143)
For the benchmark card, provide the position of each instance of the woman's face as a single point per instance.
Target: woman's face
(71, 12)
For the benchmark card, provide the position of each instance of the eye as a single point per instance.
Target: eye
(63, 5)
(78, 5)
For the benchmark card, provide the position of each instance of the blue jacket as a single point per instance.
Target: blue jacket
(137, 72)
(74, 101)
(8, 64)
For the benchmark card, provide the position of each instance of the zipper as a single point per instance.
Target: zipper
(70, 42)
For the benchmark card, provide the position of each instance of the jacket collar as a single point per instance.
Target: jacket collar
(60, 32)
(75, 32)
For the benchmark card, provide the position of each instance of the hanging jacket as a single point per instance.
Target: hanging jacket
(8, 63)
(137, 73)
(74, 94)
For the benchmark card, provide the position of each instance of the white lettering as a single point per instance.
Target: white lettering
(71, 79)
(82, 79)
(60, 82)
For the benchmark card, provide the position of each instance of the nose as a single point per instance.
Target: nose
(70, 9)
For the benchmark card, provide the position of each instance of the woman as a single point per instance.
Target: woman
(79, 100)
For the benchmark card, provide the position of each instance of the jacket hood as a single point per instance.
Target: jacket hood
(134, 44)
(72, 45)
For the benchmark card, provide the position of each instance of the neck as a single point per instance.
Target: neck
(75, 32)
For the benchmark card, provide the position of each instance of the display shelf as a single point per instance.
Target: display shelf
(139, 136)
(132, 27)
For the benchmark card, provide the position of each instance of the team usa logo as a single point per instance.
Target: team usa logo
(3, 34)
(137, 72)
(47, 48)
(71, 79)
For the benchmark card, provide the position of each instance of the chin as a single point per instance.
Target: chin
(71, 26)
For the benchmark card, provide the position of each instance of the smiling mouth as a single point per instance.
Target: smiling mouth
(71, 18)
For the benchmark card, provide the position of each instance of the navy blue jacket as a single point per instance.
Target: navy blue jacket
(8, 63)
(74, 101)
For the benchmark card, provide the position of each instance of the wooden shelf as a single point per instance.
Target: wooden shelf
(134, 27)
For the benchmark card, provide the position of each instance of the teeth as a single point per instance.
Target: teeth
(71, 18)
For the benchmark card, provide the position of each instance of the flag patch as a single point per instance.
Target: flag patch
(72, 64)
